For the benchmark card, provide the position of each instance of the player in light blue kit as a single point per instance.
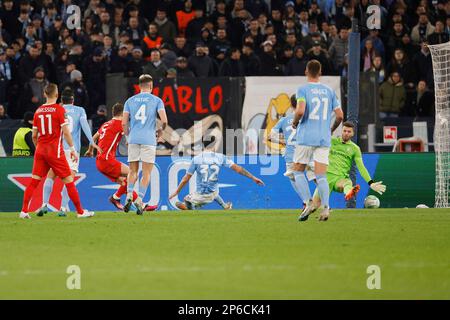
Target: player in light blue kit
(207, 166)
(139, 121)
(77, 119)
(316, 104)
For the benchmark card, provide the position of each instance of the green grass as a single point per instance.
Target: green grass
(228, 255)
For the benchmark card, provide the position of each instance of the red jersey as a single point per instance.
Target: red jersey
(111, 133)
(49, 120)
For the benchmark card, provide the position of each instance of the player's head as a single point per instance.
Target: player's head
(146, 82)
(67, 96)
(348, 131)
(313, 69)
(117, 110)
(51, 91)
(294, 101)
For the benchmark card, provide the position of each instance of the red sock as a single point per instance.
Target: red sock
(135, 195)
(121, 191)
(29, 194)
(73, 195)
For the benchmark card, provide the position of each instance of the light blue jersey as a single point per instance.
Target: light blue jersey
(77, 120)
(143, 109)
(207, 165)
(314, 128)
(284, 125)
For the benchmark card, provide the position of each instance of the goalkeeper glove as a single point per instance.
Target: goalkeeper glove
(378, 187)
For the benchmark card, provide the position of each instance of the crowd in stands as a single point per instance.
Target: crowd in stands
(41, 42)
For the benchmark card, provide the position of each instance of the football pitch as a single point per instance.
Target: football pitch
(228, 255)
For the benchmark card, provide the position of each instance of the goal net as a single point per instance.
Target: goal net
(440, 54)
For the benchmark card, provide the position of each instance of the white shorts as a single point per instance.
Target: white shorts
(198, 199)
(73, 165)
(306, 154)
(141, 152)
(309, 171)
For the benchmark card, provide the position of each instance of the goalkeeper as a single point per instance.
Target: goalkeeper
(343, 152)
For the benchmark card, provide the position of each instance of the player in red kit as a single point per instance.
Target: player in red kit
(108, 138)
(49, 125)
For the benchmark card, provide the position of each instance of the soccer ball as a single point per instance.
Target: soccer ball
(371, 202)
(422, 206)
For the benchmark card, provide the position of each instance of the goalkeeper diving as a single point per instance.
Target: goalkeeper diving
(343, 152)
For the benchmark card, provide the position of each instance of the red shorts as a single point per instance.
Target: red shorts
(46, 158)
(111, 168)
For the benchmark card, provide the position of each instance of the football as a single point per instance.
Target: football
(371, 202)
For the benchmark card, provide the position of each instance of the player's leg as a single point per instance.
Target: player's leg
(345, 185)
(65, 199)
(320, 170)
(40, 169)
(290, 175)
(223, 204)
(47, 190)
(143, 186)
(301, 158)
(134, 156)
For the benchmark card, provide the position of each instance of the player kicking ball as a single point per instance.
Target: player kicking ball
(207, 166)
(77, 119)
(343, 152)
(48, 124)
(139, 124)
(315, 104)
(108, 138)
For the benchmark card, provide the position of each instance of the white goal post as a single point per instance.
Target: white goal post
(440, 54)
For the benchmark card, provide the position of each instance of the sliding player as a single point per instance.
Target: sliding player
(342, 154)
(108, 137)
(49, 125)
(207, 166)
(77, 119)
(315, 104)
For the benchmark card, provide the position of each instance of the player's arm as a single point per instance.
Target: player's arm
(34, 136)
(125, 122)
(90, 151)
(275, 134)
(30, 142)
(68, 138)
(378, 187)
(299, 111)
(87, 131)
(339, 117)
(180, 187)
(163, 116)
(247, 174)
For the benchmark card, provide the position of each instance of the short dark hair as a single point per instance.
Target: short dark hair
(349, 124)
(67, 96)
(314, 68)
(117, 109)
(145, 79)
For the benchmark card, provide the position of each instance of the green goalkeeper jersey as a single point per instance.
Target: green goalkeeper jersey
(342, 156)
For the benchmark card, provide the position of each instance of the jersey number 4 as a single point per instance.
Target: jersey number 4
(140, 115)
(317, 103)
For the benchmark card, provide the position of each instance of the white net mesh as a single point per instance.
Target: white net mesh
(441, 69)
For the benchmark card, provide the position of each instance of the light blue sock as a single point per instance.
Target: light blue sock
(295, 187)
(65, 198)
(48, 187)
(220, 201)
(130, 187)
(142, 190)
(324, 189)
(302, 186)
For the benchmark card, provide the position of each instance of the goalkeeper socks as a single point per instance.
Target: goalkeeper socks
(65, 198)
(142, 190)
(220, 201)
(29, 194)
(347, 187)
(324, 189)
(302, 186)
(74, 196)
(295, 187)
(48, 187)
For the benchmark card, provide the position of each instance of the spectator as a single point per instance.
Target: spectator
(319, 54)
(181, 47)
(392, 96)
(135, 32)
(286, 55)
(378, 67)
(201, 63)
(395, 38)
(151, 41)
(195, 26)
(23, 145)
(251, 61)
(155, 67)
(3, 114)
(439, 35)
(184, 16)
(367, 55)
(400, 63)
(168, 57)
(99, 118)
(297, 65)
(171, 73)
(33, 95)
(220, 46)
(94, 71)
(422, 102)
(423, 66)
(166, 28)
(136, 64)
(7, 72)
(255, 33)
(76, 85)
(408, 47)
(30, 62)
(422, 30)
(182, 68)
(119, 60)
(269, 66)
(376, 42)
(232, 66)
(338, 49)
